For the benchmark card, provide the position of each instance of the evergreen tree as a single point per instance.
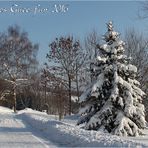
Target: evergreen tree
(113, 101)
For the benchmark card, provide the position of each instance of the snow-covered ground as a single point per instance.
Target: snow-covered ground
(15, 133)
(29, 128)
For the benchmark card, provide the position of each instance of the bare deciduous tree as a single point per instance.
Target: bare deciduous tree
(18, 56)
(137, 48)
(65, 60)
(91, 42)
(143, 13)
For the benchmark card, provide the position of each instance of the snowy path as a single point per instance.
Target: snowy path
(65, 134)
(16, 134)
(34, 129)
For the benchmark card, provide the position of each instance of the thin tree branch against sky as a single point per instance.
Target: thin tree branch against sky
(80, 19)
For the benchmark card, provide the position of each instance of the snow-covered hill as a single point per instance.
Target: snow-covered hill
(29, 128)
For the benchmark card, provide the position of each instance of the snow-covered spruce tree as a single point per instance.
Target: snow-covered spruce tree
(113, 102)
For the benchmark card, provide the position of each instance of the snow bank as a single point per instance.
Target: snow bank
(68, 135)
(4, 110)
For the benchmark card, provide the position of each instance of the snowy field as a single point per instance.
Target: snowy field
(34, 129)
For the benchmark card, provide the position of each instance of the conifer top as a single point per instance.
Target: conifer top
(111, 34)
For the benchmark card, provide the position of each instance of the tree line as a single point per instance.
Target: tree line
(57, 86)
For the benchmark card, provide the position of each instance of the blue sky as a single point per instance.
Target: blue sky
(80, 19)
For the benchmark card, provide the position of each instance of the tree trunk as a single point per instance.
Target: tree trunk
(14, 96)
(77, 84)
(46, 103)
(69, 92)
(45, 92)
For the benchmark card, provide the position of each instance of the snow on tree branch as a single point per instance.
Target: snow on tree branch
(113, 101)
